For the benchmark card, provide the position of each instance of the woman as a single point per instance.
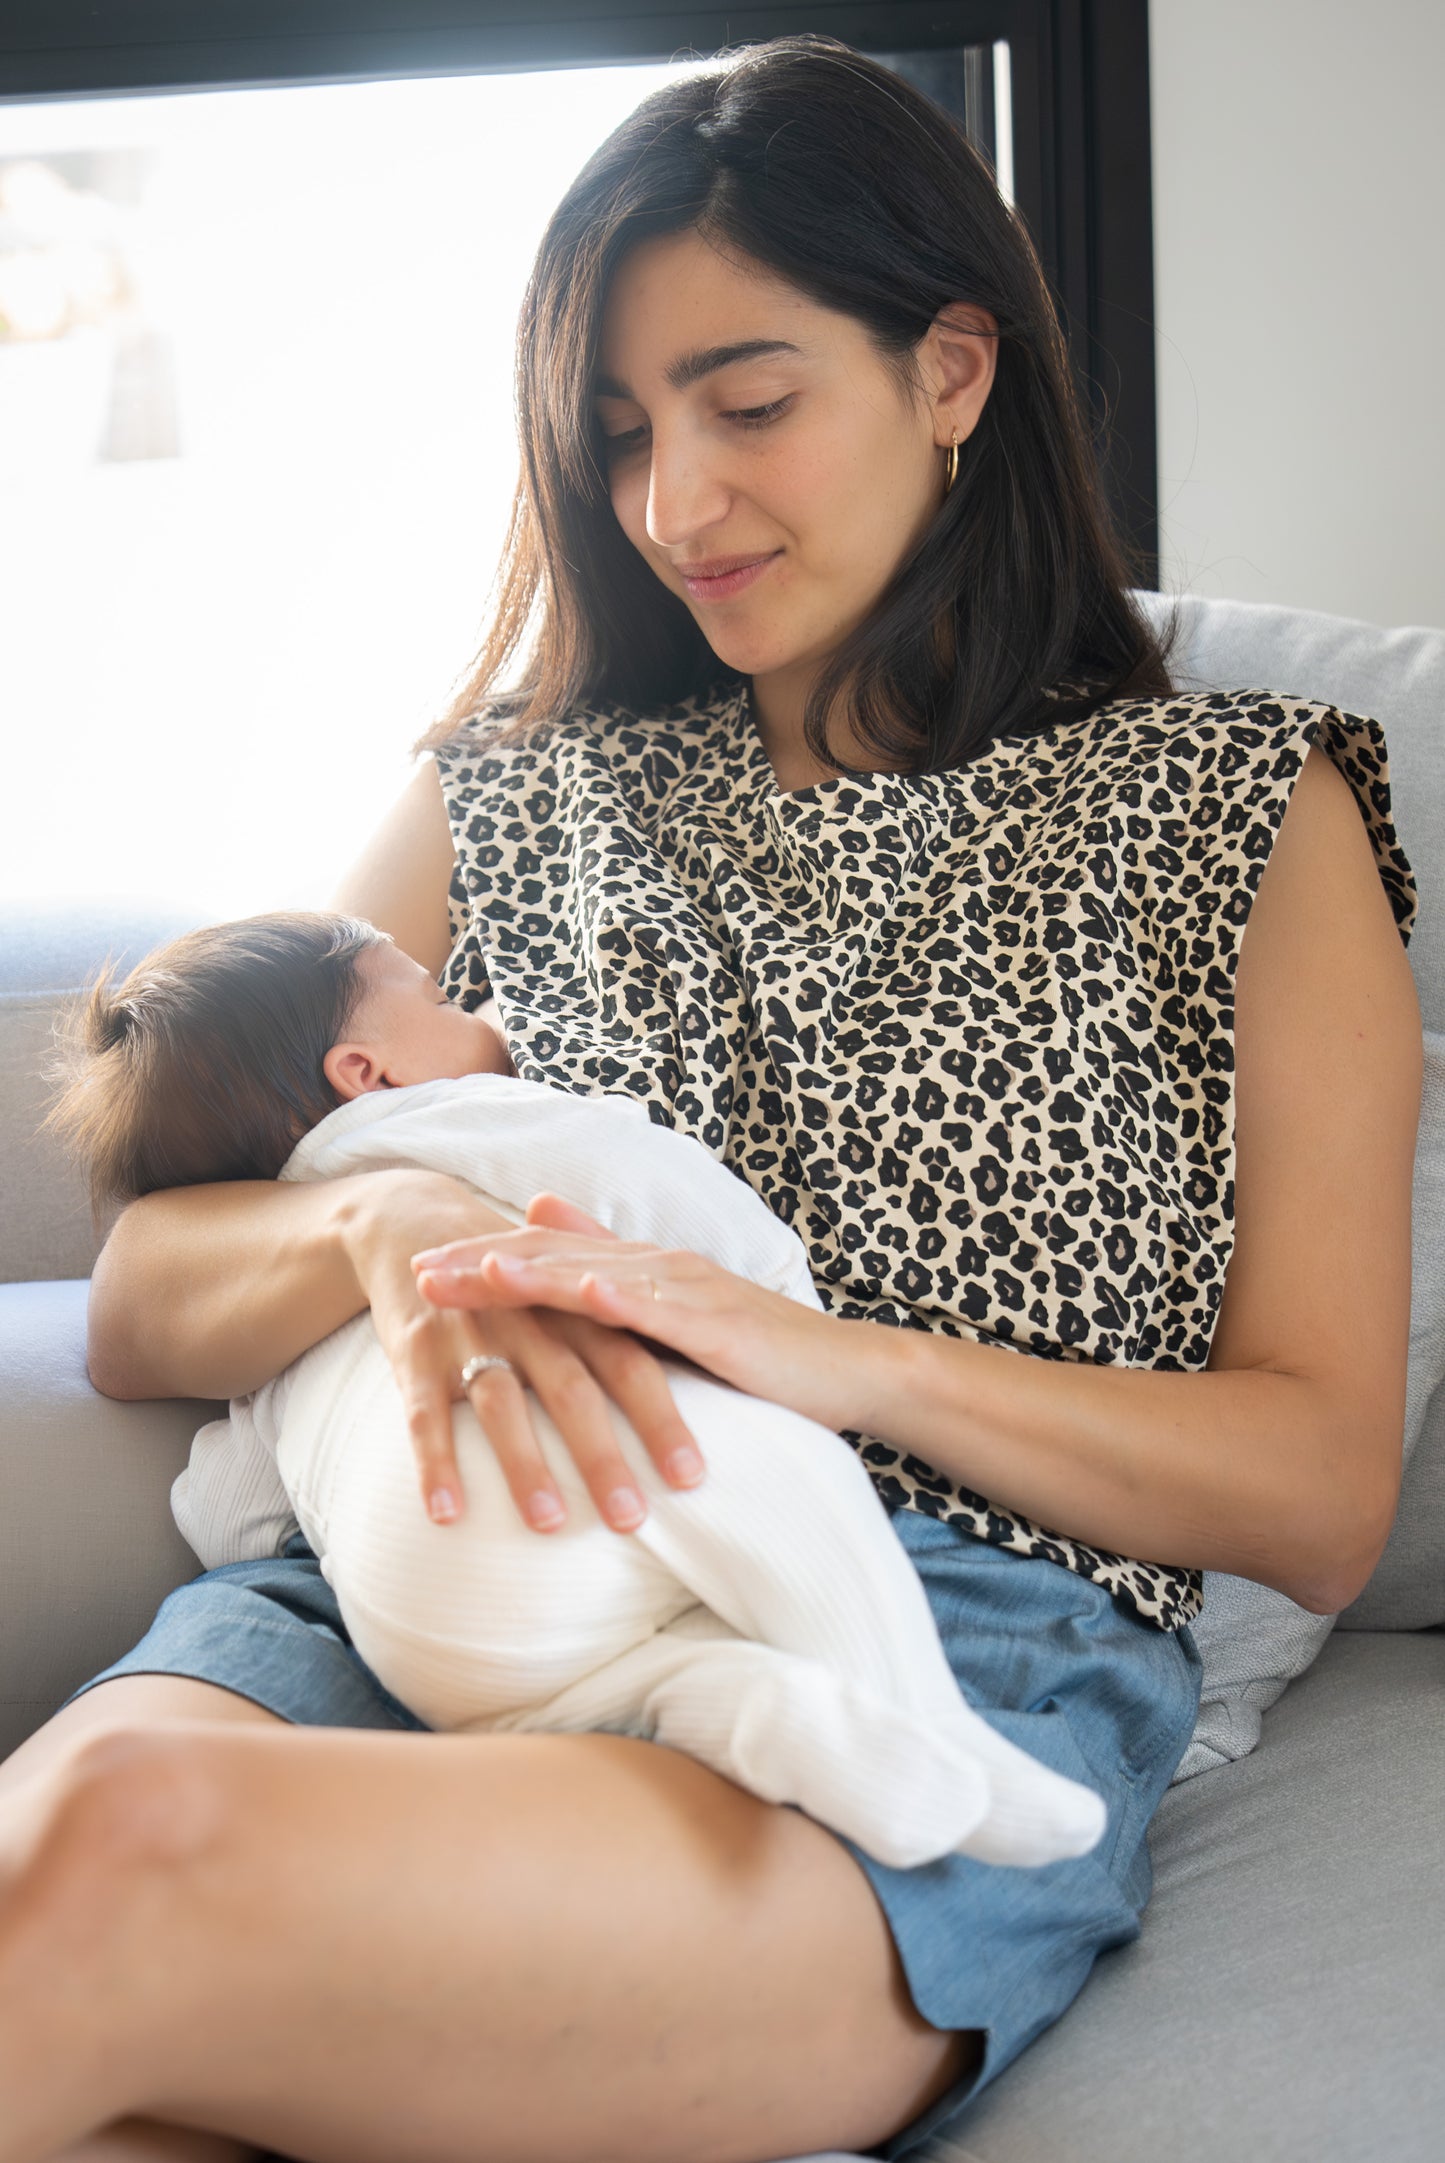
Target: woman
(845, 816)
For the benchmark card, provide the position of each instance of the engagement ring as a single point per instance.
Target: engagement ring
(483, 1363)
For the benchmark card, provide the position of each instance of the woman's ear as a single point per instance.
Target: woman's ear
(958, 358)
(353, 1071)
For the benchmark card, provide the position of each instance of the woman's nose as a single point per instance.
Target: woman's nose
(686, 491)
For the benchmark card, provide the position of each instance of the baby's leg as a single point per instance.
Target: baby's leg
(794, 1731)
(787, 1541)
(487, 1623)
(467, 1621)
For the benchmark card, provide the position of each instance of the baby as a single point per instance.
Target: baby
(767, 1622)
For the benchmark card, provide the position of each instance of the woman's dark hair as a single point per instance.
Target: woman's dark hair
(206, 1061)
(835, 174)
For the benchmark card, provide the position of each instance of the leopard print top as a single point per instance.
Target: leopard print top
(970, 1034)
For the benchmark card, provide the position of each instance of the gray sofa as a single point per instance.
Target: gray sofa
(1286, 2003)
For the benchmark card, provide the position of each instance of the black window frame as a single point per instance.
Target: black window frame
(1080, 122)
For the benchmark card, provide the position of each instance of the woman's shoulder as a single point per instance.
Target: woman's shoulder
(1231, 727)
(1220, 767)
(1244, 718)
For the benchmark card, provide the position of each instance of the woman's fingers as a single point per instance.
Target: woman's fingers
(461, 1261)
(552, 1213)
(424, 1379)
(575, 1350)
(567, 1389)
(577, 1371)
(496, 1396)
(637, 1384)
(572, 1274)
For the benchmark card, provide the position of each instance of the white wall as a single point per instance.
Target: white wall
(1299, 264)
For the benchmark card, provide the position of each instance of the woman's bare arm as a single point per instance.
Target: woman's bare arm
(209, 1291)
(401, 879)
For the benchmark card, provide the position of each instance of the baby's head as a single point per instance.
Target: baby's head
(214, 1056)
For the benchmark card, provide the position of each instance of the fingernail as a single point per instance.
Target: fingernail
(625, 1509)
(443, 1506)
(685, 1464)
(545, 1511)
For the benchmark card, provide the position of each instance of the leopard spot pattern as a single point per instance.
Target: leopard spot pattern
(970, 1034)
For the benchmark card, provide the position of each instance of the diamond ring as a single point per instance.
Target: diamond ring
(483, 1363)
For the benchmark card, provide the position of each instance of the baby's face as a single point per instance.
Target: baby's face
(410, 1031)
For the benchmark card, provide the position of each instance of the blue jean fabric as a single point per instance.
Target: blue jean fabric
(1050, 1659)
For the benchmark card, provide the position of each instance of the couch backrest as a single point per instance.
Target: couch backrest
(47, 950)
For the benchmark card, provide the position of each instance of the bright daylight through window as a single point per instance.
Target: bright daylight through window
(256, 457)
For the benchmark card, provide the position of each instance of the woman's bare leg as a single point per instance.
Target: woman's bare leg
(131, 1699)
(350, 1946)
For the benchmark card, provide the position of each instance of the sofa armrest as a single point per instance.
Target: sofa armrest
(88, 1549)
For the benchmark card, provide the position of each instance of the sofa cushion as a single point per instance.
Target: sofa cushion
(88, 1549)
(47, 1229)
(1284, 2000)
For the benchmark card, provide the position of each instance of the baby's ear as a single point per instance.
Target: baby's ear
(352, 1071)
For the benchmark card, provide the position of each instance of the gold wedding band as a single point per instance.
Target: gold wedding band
(483, 1363)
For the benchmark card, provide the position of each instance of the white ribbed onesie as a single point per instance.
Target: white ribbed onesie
(766, 1622)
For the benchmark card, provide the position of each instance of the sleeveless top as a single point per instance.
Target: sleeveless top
(970, 1034)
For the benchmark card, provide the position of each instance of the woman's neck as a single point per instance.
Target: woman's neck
(779, 702)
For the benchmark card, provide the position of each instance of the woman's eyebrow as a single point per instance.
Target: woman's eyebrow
(692, 367)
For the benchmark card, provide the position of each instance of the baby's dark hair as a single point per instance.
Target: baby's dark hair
(205, 1062)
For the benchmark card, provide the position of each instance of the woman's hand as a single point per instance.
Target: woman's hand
(758, 1340)
(574, 1364)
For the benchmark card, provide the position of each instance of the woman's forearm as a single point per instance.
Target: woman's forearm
(209, 1291)
(1252, 1471)
(1261, 1470)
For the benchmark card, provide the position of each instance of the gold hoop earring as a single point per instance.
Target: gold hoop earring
(951, 470)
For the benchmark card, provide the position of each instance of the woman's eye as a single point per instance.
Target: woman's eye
(628, 440)
(758, 416)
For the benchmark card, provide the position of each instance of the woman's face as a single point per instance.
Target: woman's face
(762, 457)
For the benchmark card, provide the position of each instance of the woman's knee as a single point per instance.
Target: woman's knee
(125, 1701)
(127, 1798)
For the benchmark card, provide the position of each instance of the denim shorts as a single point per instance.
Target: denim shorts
(1051, 1660)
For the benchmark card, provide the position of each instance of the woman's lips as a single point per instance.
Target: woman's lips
(721, 585)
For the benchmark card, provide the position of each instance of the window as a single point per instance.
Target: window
(256, 460)
(256, 444)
